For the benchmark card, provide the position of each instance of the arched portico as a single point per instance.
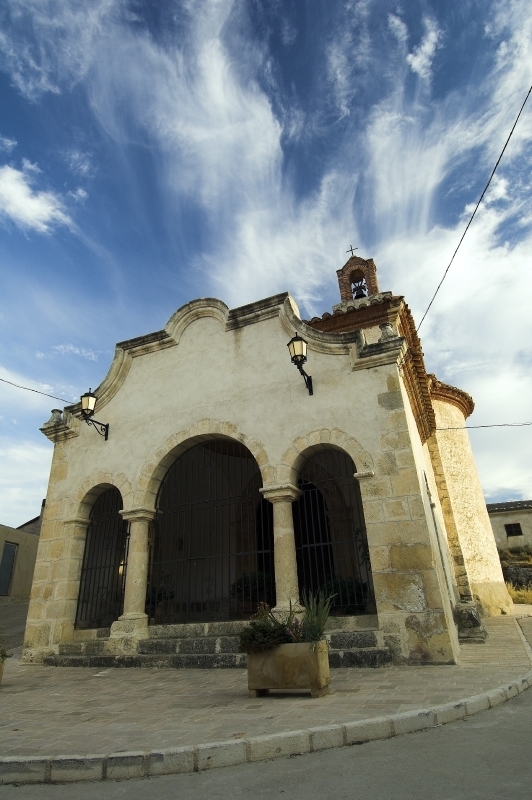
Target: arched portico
(212, 551)
(103, 570)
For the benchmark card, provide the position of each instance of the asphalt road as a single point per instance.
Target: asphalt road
(487, 756)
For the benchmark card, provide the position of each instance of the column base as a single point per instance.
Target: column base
(282, 609)
(126, 632)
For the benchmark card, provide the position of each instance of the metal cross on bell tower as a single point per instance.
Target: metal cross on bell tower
(351, 250)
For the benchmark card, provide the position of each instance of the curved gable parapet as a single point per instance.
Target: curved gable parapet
(196, 309)
(451, 394)
(319, 341)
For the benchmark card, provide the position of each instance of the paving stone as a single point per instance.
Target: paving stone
(101, 709)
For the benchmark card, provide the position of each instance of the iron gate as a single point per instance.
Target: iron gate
(212, 555)
(103, 573)
(331, 544)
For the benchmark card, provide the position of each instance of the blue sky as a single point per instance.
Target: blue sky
(152, 152)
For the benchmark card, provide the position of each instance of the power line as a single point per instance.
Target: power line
(475, 211)
(463, 428)
(68, 402)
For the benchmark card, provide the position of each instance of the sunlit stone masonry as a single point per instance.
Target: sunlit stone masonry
(226, 478)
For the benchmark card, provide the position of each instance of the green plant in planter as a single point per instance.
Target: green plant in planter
(267, 631)
(264, 632)
(317, 610)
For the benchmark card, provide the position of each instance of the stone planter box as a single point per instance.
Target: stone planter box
(300, 666)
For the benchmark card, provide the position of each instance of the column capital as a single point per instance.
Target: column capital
(280, 492)
(134, 514)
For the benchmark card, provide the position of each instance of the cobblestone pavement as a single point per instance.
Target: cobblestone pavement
(57, 711)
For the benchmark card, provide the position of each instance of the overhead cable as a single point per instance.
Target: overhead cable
(475, 211)
(27, 388)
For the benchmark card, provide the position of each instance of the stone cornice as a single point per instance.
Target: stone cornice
(256, 312)
(415, 376)
(451, 394)
(61, 426)
(384, 309)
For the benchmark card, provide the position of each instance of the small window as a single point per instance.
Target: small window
(513, 529)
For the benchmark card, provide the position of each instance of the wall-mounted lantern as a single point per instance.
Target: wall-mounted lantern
(88, 404)
(298, 353)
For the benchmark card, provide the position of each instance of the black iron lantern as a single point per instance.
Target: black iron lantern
(88, 404)
(297, 347)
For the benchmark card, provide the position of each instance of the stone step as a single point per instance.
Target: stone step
(338, 640)
(157, 660)
(204, 644)
(360, 657)
(196, 630)
(92, 647)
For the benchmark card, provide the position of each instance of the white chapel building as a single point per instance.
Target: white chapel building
(212, 475)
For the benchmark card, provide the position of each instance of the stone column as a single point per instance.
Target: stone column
(286, 583)
(132, 625)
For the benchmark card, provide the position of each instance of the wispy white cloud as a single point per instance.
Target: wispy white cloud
(420, 59)
(80, 163)
(45, 44)
(79, 195)
(218, 145)
(24, 471)
(31, 398)
(67, 350)
(27, 207)
(398, 27)
(7, 145)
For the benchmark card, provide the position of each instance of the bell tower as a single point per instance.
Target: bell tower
(357, 279)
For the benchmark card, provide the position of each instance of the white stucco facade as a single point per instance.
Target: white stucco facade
(217, 373)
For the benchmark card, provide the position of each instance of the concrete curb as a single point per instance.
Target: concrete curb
(196, 758)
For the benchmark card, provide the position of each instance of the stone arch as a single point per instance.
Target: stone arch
(99, 552)
(154, 470)
(321, 439)
(83, 500)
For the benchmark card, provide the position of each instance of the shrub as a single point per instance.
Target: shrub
(262, 635)
(521, 594)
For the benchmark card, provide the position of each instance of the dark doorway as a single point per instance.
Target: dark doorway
(212, 555)
(330, 534)
(7, 563)
(103, 574)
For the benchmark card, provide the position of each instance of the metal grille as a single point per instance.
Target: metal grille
(103, 574)
(212, 555)
(331, 544)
